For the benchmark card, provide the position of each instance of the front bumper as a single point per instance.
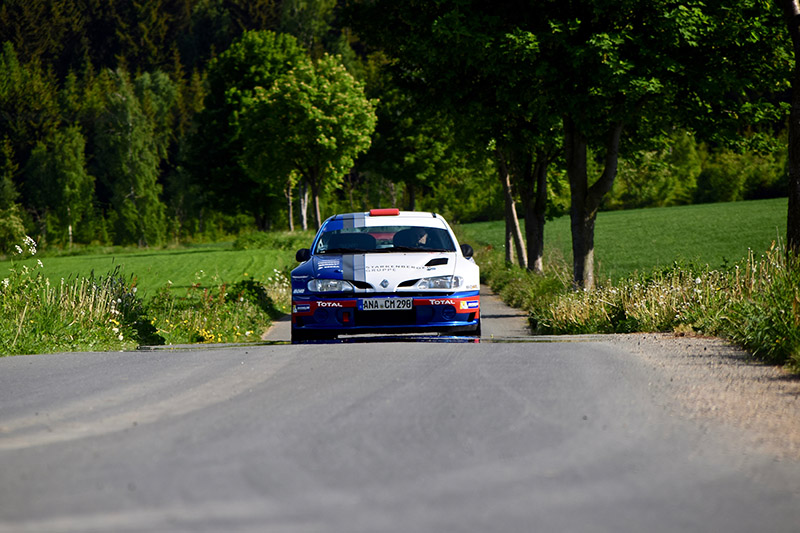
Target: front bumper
(346, 315)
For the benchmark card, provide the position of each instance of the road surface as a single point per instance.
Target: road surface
(402, 436)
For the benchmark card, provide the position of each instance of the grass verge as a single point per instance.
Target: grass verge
(689, 270)
(77, 310)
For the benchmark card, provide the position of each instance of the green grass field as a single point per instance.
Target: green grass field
(153, 269)
(643, 239)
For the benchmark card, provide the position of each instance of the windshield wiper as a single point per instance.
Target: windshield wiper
(345, 251)
(409, 249)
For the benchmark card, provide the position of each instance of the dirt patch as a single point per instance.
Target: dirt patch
(708, 378)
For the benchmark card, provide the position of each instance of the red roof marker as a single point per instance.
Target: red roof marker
(384, 212)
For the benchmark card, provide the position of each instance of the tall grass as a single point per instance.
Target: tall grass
(753, 301)
(79, 313)
(84, 313)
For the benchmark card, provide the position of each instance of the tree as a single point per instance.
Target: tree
(635, 67)
(469, 60)
(608, 71)
(28, 102)
(791, 12)
(12, 230)
(128, 154)
(61, 191)
(313, 121)
(410, 146)
(257, 59)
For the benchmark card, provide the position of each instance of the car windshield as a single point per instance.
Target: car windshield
(385, 239)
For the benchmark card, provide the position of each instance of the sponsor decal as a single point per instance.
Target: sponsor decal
(301, 308)
(298, 291)
(329, 304)
(470, 304)
(442, 302)
(329, 263)
(377, 269)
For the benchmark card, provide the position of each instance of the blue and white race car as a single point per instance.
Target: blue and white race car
(385, 271)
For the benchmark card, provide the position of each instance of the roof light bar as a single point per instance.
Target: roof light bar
(384, 212)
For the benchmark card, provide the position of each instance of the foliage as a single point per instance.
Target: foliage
(8, 168)
(256, 59)
(78, 314)
(61, 191)
(756, 304)
(313, 122)
(28, 102)
(12, 230)
(207, 315)
(129, 157)
(465, 194)
(766, 320)
(602, 68)
(108, 312)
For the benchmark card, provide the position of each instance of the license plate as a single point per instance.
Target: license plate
(385, 304)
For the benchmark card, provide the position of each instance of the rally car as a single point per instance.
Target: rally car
(385, 271)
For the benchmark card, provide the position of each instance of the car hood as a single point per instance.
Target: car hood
(385, 271)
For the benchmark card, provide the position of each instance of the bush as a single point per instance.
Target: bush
(213, 314)
(755, 303)
(105, 312)
(38, 316)
(766, 320)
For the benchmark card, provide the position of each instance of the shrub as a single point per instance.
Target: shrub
(755, 303)
(766, 320)
(240, 312)
(80, 314)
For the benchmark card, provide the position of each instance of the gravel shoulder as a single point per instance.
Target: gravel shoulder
(708, 379)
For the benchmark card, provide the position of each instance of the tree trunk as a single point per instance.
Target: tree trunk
(290, 204)
(69, 226)
(303, 205)
(585, 200)
(314, 183)
(533, 189)
(513, 230)
(412, 196)
(791, 11)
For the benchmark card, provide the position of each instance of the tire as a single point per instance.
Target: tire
(475, 332)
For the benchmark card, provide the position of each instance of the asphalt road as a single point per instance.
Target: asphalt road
(400, 436)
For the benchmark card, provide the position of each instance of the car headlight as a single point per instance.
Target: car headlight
(329, 285)
(441, 282)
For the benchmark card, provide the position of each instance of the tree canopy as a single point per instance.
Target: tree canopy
(311, 122)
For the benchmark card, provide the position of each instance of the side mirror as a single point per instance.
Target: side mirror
(303, 255)
(467, 250)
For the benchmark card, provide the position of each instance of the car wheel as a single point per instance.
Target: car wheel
(474, 332)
